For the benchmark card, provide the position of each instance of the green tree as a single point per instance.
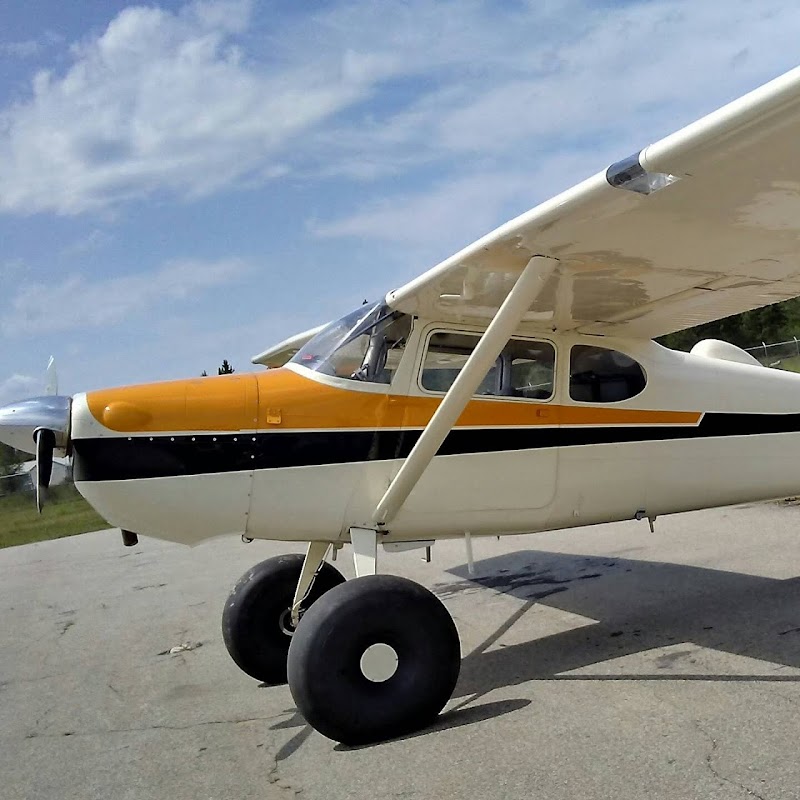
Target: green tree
(775, 323)
(225, 369)
(9, 458)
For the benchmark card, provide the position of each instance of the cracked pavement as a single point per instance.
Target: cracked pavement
(601, 662)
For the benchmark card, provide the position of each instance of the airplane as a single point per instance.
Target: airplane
(513, 388)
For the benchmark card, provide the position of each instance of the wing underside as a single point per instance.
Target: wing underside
(700, 225)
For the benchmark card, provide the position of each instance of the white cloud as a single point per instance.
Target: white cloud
(12, 268)
(430, 224)
(22, 49)
(19, 387)
(230, 93)
(77, 303)
(510, 86)
(95, 240)
(160, 100)
(459, 208)
(573, 97)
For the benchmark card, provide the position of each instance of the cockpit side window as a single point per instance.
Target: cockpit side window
(366, 345)
(600, 375)
(525, 368)
(445, 358)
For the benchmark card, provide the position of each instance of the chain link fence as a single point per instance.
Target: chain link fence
(783, 355)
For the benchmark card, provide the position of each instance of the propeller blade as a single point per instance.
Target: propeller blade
(52, 378)
(45, 444)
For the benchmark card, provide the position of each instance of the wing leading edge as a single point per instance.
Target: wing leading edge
(279, 354)
(700, 225)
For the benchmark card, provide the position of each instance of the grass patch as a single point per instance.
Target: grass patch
(65, 514)
(791, 364)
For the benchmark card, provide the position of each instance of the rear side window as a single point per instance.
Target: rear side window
(600, 375)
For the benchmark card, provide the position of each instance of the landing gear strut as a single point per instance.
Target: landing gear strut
(257, 623)
(367, 659)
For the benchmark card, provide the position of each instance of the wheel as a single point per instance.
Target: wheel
(374, 658)
(256, 620)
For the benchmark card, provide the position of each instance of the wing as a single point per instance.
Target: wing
(700, 225)
(280, 353)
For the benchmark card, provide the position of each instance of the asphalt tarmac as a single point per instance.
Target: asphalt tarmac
(602, 662)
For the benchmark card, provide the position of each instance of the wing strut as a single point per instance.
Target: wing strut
(508, 316)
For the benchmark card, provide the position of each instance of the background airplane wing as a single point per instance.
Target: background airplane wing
(700, 225)
(280, 353)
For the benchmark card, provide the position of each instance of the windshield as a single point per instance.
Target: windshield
(365, 345)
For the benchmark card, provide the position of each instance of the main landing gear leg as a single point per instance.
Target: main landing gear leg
(257, 621)
(375, 657)
(312, 564)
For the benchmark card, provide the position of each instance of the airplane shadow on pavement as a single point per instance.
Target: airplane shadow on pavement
(639, 606)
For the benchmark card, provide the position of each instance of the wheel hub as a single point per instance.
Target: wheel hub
(379, 662)
(285, 623)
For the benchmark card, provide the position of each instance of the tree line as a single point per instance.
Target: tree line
(9, 458)
(775, 323)
(225, 369)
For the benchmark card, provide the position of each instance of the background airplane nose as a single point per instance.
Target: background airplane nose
(19, 421)
(38, 425)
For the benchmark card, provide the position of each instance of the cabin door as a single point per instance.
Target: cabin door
(502, 455)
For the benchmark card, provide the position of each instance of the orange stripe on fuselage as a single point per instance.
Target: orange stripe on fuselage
(258, 401)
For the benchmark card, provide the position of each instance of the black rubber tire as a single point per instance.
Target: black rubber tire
(258, 606)
(324, 666)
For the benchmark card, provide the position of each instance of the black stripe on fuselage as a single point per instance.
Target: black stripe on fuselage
(128, 458)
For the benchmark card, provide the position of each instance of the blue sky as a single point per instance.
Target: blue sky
(186, 182)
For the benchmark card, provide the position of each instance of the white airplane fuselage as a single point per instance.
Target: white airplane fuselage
(291, 454)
